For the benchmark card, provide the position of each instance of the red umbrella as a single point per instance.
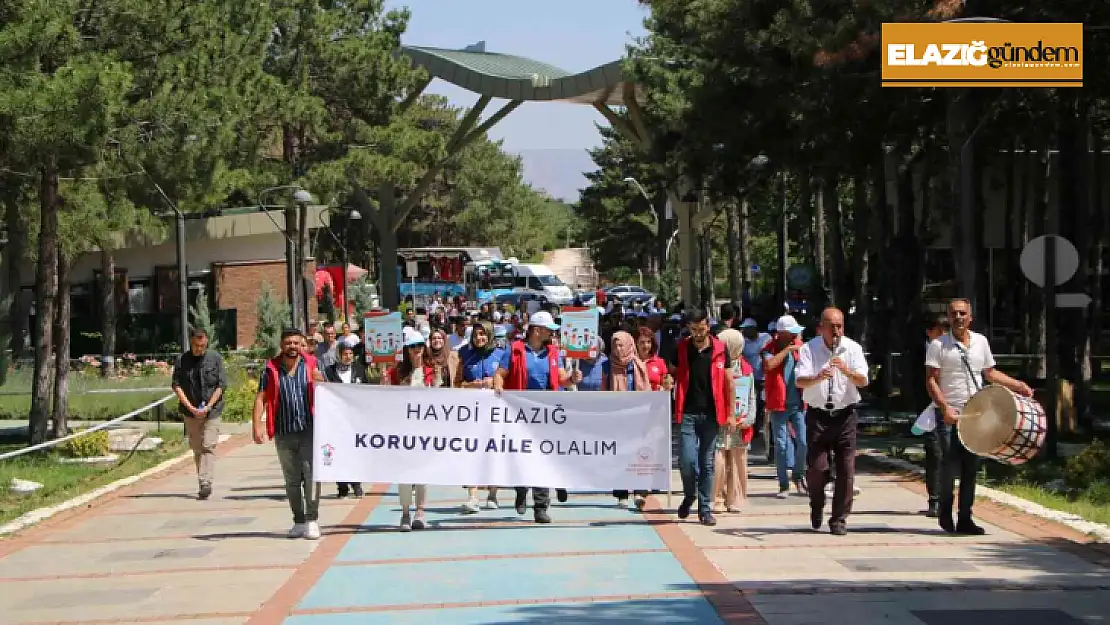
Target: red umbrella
(323, 278)
(354, 273)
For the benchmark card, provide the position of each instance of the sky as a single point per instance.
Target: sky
(574, 35)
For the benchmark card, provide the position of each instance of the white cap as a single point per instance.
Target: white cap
(497, 316)
(788, 323)
(543, 319)
(749, 323)
(412, 337)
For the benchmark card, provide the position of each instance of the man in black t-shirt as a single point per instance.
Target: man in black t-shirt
(199, 380)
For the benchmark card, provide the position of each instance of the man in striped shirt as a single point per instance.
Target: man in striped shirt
(285, 395)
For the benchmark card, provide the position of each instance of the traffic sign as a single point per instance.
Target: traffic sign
(1032, 260)
(1072, 300)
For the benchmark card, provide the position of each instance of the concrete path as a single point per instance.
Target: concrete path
(152, 554)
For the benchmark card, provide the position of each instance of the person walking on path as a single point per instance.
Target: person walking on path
(415, 371)
(533, 364)
(831, 370)
(199, 381)
(285, 394)
(784, 404)
(938, 328)
(625, 371)
(956, 364)
(346, 370)
(731, 476)
(703, 401)
(478, 362)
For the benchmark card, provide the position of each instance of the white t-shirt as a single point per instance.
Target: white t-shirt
(814, 356)
(345, 376)
(955, 382)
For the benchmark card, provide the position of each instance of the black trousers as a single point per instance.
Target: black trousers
(541, 497)
(956, 460)
(831, 434)
(623, 494)
(933, 454)
(345, 487)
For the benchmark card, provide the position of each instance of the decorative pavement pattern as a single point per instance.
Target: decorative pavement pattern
(151, 553)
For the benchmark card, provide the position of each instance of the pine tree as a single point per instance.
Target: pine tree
(273, 315)
(202, 318)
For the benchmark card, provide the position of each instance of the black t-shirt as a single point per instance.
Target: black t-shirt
(699, 393)
(199, 377)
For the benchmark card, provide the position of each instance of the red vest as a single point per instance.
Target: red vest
(517, 380)
(774, 384)
(270, 395)
(717, 379)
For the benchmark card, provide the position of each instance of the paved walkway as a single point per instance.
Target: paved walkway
(153, 554)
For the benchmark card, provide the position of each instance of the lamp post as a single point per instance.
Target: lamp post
(290, 243)
(351, 214)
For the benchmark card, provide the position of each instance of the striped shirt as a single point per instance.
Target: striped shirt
(293, 415)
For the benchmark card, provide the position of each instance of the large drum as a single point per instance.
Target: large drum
(1001, 425)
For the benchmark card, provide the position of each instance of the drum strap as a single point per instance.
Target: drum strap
(967, 365)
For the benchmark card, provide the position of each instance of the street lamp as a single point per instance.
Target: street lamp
(351, 214)
(301, 198)
(644, 193)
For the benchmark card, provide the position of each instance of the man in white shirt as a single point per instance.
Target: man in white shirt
(956, 365)
(831, 369)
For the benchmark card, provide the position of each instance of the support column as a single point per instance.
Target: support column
(687, 253)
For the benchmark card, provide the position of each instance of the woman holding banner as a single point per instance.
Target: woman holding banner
(625, 372)
(478, 362)
(416, 372)
(533, 364)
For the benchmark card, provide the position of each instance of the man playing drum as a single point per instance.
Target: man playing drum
(956, 365)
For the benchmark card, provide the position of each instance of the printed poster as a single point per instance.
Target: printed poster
(384, 343)
(578, 337)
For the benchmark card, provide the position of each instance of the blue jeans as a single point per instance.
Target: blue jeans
(695, 462)
(789, 465)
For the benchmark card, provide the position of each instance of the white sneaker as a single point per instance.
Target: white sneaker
(471, 507)
(491, 503)
(312, 532)
(783, 494)
(640, 503)
(298, 530)
(406, 522)
(622, 503)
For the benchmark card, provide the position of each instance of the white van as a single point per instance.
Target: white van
(540, 280)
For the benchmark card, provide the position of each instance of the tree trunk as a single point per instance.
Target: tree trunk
(862, 246)
(302, 263)
(834, 249)
(387, 246)
(61, 349)
(960, 113)
(1100, 226)
(746, 287)
(735, 257)
(1037, 214)
(816, 217)
(16, 253)
(46, 293)
(107, 311)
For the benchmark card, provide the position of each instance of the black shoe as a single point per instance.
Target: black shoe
(946, 523)
(838, 529)
(359, 494)
(342, 494)
(561, 495)
(967, 527)
(707, 519)
(521, 502)
(205, 492)
(932, 511)
(684, 507)
(542, 516)
(816, 518)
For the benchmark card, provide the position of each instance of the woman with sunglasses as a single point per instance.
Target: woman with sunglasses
(417, 372)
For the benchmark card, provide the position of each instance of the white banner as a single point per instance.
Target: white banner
(456, 437)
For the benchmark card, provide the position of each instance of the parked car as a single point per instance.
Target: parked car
(630, 294)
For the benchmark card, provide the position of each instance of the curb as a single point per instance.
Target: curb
(1075, 522)
(41, 514)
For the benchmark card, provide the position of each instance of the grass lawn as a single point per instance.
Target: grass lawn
(1098, 513)
(65, 481)
(85, 403)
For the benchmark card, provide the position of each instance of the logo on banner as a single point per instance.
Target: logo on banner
(645, 454)
(328, 454)
(977, 54)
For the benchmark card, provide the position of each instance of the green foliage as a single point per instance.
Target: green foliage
(87, 445)
(202, 318)
(666, 286)
(1090, 466)
(361, 294)
(239, 398)
(273, 316)
(1098, 493)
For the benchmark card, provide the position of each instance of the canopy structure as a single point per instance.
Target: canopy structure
(517, 79)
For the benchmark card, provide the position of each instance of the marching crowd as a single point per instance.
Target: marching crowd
(726, 377)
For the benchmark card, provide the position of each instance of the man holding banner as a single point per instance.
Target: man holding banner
(285, 395)
(534, 364)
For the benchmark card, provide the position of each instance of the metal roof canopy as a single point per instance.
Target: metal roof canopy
(503, 76)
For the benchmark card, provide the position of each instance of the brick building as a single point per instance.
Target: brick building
(229, 257)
